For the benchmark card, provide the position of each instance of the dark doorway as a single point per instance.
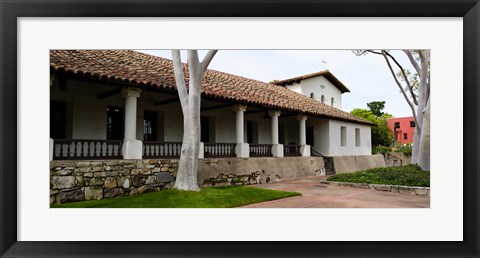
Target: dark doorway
(310, 140)
(281, 134)
(58, 119)
(204, 129)
(115, 123)
(249, 132)
(149, 125)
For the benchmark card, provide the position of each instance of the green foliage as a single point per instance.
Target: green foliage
(406, 149)
(381, 149)
(215, 197)
(376, 107)
(410, 175)
(381, 134)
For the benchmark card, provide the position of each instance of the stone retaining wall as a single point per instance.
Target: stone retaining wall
(72, 181)
(416, 190)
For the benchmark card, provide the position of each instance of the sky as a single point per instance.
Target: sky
(367, 77)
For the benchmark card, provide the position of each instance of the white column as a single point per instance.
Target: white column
(242, 148)
(304, 148)
(239, 109)
(132, 148)
(201, 153)
(302, 129)
(52, 146)
(277, 149)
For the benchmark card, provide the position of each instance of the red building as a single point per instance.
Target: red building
(402, 129)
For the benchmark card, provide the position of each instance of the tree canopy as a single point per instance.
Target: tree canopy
(381, 134)
(376, 107)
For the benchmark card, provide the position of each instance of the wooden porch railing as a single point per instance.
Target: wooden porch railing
(87, 149)
(260, 150)
(291, 150)
(219, 150)
(153, 149)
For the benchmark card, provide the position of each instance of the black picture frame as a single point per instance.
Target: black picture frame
(10, 10)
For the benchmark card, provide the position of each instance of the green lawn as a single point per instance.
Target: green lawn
(215, 197)
(410, 175)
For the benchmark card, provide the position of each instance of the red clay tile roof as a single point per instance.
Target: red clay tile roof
(144, 70)
(327, 74)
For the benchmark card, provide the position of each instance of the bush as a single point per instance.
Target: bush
(381, 150)
(410, 175)
(406, 149)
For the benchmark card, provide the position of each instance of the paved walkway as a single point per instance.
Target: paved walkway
(317, 195)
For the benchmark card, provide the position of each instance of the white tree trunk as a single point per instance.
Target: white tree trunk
(418, 129)
(424, 146)
(190, 101)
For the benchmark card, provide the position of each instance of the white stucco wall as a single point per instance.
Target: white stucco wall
(87, 114)
(224, 125)
(307, 86)
(350, 149)
(321, 135)
(173, 122)
(264, 131)
(295, 87)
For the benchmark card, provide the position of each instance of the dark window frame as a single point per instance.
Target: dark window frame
(150, 125)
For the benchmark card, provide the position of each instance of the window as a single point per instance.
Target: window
(323, 99)
(405, 136)
(412, 123)
(343, 136)
(149, 125)
(312, 95)
(397, 125)
(204, 129)
(58, 119)
(357, 137)
(333, 100)
(115, 123)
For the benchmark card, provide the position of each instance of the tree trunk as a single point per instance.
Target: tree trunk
(424, 146)
(418, 131)
(190, 101)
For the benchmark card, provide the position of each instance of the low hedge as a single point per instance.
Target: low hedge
(409, 175)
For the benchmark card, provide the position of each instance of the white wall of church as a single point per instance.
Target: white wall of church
(314, 85)
(321, 134)
(350, 148)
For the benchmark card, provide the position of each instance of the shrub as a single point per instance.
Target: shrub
(410, 175)
(406, 149)
(381, 150)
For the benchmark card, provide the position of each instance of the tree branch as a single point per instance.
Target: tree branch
(412, 60)
(404, 77)
(180, 79)
(401, 89)
(207, 59)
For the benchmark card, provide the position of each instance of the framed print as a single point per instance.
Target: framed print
(31, 29)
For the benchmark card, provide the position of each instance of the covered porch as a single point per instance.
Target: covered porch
(107, 120)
